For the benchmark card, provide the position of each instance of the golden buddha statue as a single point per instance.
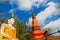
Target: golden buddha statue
(8, 32)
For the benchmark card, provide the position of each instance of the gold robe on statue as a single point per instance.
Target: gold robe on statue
(11, 32)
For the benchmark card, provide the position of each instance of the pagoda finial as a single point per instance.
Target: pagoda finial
(33, 14)
(12, 15)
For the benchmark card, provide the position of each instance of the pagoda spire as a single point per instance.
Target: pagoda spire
(37, 32)
(33, 14)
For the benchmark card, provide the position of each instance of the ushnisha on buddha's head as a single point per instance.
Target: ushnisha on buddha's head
(11, 21)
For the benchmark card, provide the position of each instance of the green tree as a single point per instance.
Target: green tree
(23, 31)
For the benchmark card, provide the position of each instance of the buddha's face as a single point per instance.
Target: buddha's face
(11, 21)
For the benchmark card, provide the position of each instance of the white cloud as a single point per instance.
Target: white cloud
(50, 10)
(51, 4)
(27, 4)
(37, 3)
(12, 10)
(53, 26)
(43, 15)
(24, 4)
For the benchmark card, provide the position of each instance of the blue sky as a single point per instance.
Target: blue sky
(23, 14)
(47, 12)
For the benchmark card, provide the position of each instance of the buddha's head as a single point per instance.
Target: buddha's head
(11, 21)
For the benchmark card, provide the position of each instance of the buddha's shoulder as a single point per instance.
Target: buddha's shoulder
(4, 24)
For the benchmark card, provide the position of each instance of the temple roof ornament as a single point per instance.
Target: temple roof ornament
(12, 15)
